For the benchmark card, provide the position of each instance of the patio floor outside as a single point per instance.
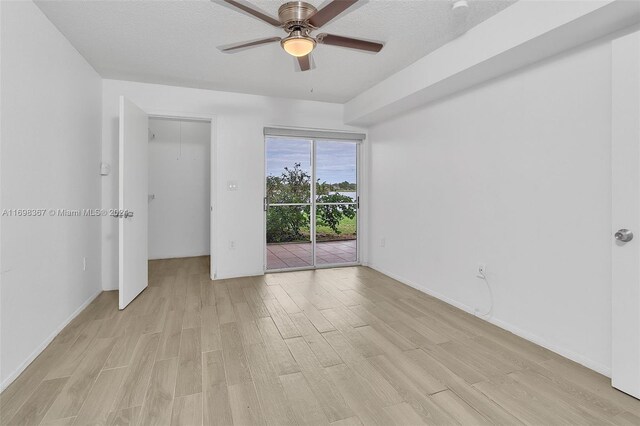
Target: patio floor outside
(300, 255)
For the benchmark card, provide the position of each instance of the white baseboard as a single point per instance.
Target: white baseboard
(580, 359)
(247, 274)
(177, 256)
(46, 342)
(218, 277)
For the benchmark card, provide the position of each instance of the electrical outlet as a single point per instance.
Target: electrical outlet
(84, 263)
(232, 245)
(383, 242)
(481, 270)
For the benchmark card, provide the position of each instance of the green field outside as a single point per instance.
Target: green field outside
(347, 228)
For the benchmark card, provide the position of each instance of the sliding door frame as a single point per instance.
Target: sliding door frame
(312, 206)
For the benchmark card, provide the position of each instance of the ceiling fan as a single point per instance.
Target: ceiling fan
(299, 19)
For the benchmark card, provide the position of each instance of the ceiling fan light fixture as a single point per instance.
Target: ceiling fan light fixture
(298, 19)
(298, 44)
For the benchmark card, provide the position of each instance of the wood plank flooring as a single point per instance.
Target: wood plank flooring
(345, 346)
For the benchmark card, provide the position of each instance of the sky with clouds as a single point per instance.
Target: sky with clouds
(335, 162)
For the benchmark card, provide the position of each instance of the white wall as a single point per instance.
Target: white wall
(50, 156)
(238, 155)
(179, 164)
(529, 31)
(515, 173)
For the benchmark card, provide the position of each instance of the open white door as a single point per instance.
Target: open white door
(133, 191)
(625, 365)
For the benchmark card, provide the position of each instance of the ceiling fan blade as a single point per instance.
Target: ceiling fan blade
(330, 11)
(351, 43)
(249, 9)
(304, 63)
(237, 47)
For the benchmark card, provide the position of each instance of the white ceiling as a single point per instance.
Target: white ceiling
(174, 43)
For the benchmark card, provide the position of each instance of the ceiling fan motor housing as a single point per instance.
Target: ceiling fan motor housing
(294, 15)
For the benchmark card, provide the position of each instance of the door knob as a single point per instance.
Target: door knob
(624, 235)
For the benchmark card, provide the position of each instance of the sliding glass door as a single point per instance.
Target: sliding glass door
(336, 202)
(311, 203)
(288, 203)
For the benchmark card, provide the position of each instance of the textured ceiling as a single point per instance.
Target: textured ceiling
(174, 43)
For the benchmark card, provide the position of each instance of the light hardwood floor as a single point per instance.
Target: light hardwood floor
(342, 346)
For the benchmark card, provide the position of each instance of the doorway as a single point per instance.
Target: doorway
(134, 154)
(311, 203)
(179, 188)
